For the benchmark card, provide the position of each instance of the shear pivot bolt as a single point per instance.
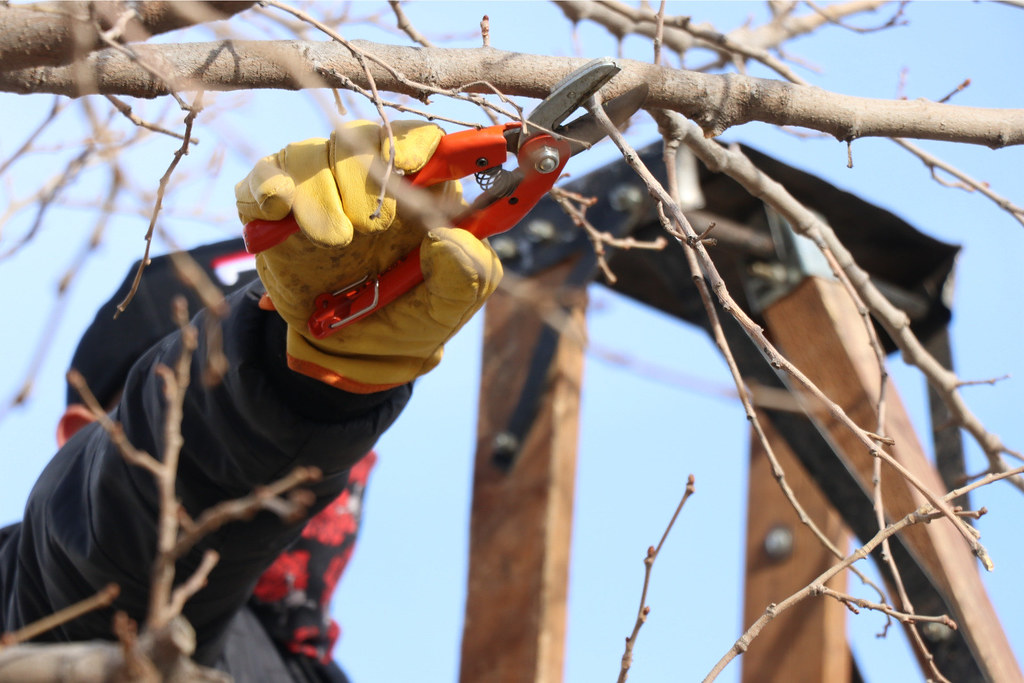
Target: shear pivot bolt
(546, 159)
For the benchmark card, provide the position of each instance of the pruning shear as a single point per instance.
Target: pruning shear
(542, 143)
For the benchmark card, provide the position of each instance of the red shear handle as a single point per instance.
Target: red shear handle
(334, 310)
(344, 307)
(260, 235)
(464, 153)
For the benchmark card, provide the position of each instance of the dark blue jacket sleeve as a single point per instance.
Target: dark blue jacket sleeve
(91, 517)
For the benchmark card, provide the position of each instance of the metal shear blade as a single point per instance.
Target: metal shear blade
(571, 94)
(583, 132)
(568, 96)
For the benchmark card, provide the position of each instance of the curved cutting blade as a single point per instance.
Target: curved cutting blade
(568, 96)
(585, 131)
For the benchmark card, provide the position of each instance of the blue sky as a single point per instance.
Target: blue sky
(400, 605)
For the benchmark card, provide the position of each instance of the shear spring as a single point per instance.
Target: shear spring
(497, 180)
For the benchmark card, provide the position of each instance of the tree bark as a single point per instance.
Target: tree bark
(54, 34)
(715, 102)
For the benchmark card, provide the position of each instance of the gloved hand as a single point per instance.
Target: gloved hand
(328, 187)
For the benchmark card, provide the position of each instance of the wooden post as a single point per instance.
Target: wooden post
(819, 330)
(522, 514)
(808, 641)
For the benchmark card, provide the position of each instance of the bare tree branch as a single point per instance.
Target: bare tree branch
(715, 102)
(104, 598)
(964, 181)
(186, 138)
(53, 34)
(165, 653)
(681, 34)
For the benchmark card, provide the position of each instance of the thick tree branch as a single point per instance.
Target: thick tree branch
(715, 102)
(54, 34)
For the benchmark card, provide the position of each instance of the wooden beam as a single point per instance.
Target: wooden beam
(521, 523)
(807, 642)
(818, 328)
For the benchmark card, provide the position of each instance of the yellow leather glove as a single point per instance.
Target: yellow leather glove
(329, 188)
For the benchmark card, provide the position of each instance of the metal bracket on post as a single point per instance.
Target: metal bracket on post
(797, 258)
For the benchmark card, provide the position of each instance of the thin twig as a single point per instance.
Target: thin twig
(853, 603)
(212, 299)
(244, 508)
(48, 195)
(104, 598)
(644, 610)
(186, 589)
(876, 477)
(575, 207)
(924, 514)
(406, 26)
(958, 89)
(137, 666)
(58, 106)
(127, 112)
(193, 112)
(111, 38)
(894, 20)
(738, 47)
(659, 32)
(176, 381)
(49, 335)
(114, 430)
(966, 182)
